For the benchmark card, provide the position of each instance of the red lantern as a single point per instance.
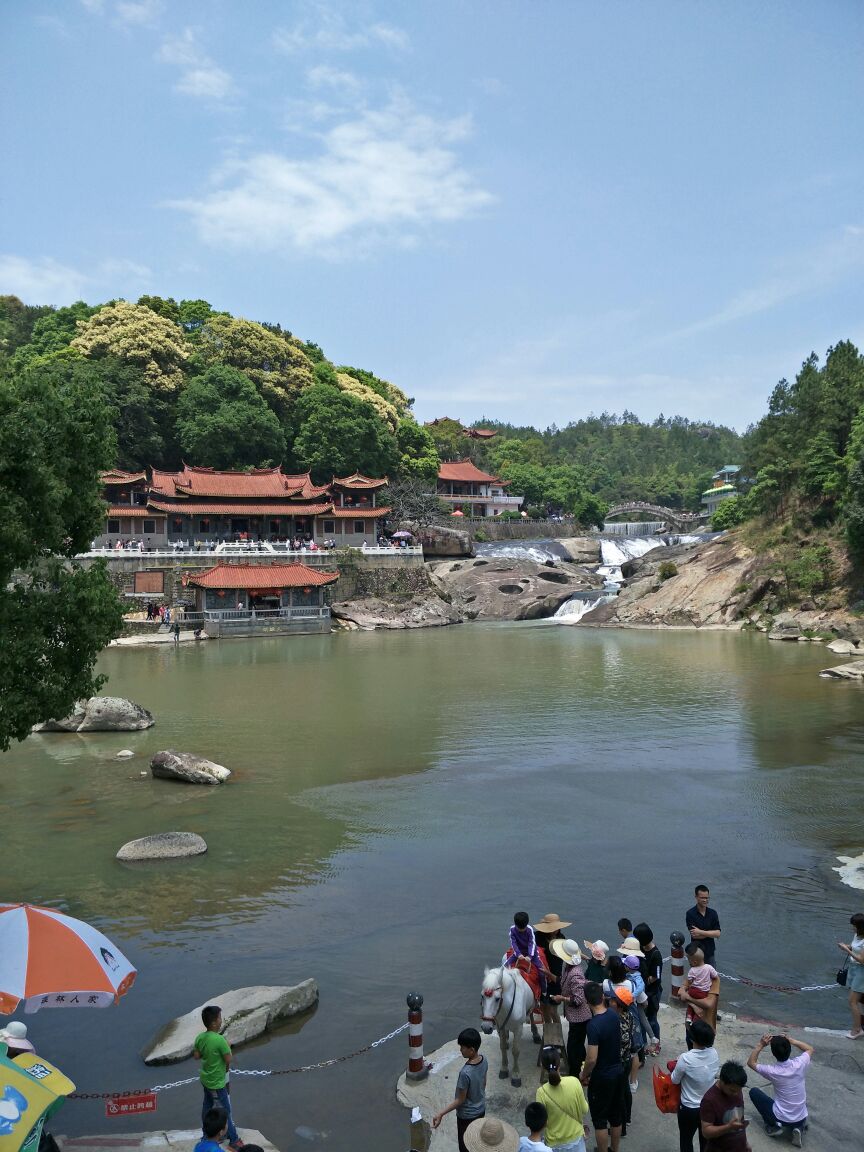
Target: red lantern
(221, 592)
(307, 591)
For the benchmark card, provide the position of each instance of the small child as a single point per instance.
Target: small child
(469, 1103)
(214, 1052)
(523, 942)
(700, 975)
(536, 1118)
(595, 969)
(215, 1127)
(652, 1040)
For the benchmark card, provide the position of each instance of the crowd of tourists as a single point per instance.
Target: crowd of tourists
(610, 999)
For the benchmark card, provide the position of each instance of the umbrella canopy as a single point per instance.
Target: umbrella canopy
(458, 512)
(402, 535)
(49, 960)
(31, 1089)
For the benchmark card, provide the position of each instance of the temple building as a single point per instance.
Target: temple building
(244, 599)
(206, 506)
(472, 492)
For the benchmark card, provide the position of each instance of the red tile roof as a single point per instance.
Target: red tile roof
(480, 433)
(136, 511)
(263, 576)
(358, 480)
(358, 513)
(465, 471)
(281, 508)
(263, 482)
(118, 476)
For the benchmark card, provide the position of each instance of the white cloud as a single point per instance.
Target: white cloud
(382, 177)
(804, 274)
(200, 76)
(324, 30)
(323, 76)
(93, 5)
(138, 12)
(42, 280)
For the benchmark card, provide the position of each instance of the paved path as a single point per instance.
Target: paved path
(177, 1140)
(835, 1086)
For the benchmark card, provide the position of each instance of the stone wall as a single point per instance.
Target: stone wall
(353, 566)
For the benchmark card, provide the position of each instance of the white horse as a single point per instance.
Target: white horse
(506, 1005)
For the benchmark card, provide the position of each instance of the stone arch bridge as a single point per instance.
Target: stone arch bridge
(674, 518)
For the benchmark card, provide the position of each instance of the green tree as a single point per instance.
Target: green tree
(450, 441)
(273, 360)
(137, 335)
(417, 455)
(337, 434)
(55, 615)
(17, 321)
(223, 422)
(823, 471)
(729, 514)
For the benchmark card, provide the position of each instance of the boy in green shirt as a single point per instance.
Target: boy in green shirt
(214, 1052)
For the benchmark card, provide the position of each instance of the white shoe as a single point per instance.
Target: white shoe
(797, 1138)
(634, 1085)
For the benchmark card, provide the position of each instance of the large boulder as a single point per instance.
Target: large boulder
(438, 540)
(163, 846)
(509, 589)
(246, 1013)
(421, 611)
(101, 714)
(581, 549)
(851, 671)
(842, 647)
(187, 767)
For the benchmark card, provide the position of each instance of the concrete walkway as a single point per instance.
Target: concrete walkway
(177, 1140)
(835, 1089)
(155, 638)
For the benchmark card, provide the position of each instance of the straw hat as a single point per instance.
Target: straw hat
(566, 950)
(599, 949)
(490, 1132)
(630, 947)
(550, 923)
(15, 1036)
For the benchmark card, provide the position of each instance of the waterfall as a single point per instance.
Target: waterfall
(634, 528)
(572, 610)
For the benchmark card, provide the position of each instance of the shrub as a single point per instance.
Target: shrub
(667, 570)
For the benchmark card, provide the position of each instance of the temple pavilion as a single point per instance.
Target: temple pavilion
(208, 506)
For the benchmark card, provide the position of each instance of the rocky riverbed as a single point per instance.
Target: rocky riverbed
(720, 584)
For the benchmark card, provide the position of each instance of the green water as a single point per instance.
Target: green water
(394, 798)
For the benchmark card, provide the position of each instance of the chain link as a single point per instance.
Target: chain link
(242, 1072)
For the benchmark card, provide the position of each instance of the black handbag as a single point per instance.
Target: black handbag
(843, 974)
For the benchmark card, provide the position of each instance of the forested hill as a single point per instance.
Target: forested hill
(669, 461)
(185, 382)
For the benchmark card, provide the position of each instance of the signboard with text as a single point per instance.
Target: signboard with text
(130, 1105)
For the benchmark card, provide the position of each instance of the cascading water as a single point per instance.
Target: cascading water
(613, 553)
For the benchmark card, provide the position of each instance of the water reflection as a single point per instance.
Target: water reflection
(391, 796)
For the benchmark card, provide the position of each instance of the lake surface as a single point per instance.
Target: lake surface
(395, 798)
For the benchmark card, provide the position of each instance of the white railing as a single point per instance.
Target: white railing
(303, 555)
(507, 501)
(244, 615)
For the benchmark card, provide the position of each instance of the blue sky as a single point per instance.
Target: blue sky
(528, 211)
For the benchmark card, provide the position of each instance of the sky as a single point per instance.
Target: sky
(524, 211)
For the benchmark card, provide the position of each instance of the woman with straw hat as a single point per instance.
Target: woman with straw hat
(550, 928)
(576, 1010)
(489, 1134)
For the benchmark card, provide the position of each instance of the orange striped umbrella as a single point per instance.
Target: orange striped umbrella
(49, 960)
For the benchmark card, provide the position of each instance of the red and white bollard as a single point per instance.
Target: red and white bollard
(677, 965)
(418, 1069)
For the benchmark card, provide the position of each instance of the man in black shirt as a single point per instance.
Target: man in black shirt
(703, 924)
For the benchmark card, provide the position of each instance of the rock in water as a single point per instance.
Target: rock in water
(163, 846)
(101, 714)
(246, 1013)
(185, 766)
(853, 671)
(842, 647)
(124, 754)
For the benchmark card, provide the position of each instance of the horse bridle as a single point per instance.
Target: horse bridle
(491, 1019)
